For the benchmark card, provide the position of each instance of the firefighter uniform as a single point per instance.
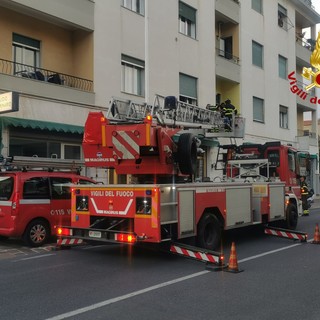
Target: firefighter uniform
(229, 109)
(304, 195)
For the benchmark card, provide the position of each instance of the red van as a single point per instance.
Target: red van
(33, 202)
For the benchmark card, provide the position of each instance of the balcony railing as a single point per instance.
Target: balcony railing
(40, 74)
(302, 85)
(308, 3)
(228, 56)
(307, 133)
(306, 43)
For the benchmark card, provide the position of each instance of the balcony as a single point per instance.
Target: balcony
(227, 66)
(305, 104)
(228, 11)
(304, 48)
(71, 14)
(306, 15)
(47, 83)
(305, 138)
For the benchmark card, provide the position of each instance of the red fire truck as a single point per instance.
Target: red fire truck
(158, 146)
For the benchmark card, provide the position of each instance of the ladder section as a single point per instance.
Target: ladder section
(171, 112)
(221, 159)
(37, 163)
(174, 112)
(121, 110)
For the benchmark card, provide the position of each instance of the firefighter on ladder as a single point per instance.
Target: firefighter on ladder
(228, 109)
(304, 195)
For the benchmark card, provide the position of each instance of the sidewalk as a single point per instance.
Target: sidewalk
(316, 202)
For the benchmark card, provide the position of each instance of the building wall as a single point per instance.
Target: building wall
(156, 40)
(62, 50)
(265, 83)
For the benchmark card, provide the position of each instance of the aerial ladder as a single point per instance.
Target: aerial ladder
(168, 111)
(141, 139)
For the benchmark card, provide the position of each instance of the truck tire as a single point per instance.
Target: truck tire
(291, 216)
(37, 233)
(187, 153)
(209, 232)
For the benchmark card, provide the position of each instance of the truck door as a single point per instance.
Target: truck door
(60, 210)
(6, 194)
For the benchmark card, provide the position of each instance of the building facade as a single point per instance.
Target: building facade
(46, 58)
(202, 51)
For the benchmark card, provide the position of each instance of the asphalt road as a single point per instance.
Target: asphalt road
(280, 280)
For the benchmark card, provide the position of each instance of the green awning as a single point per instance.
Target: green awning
(302, 154)
(42, 125)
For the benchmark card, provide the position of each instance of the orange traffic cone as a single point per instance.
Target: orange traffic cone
(316, 238)
(233, 261)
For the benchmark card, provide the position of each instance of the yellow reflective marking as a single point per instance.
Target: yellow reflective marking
(103, 135)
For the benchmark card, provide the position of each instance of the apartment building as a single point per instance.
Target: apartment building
(277, 40)
(46, 59)
(143, 48)
(67, 58)
(209, 51)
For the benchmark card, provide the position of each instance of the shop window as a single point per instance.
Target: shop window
(28, 144)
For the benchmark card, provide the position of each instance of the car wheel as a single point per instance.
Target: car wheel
(36, 233)
(292, 216)
(209, 232)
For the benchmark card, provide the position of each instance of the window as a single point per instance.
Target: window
(257, 54)
(25, 51)
(28, 143)
(71, 151)
(256, 5)
(258, 109)
(274, 158)
(6, 187)
(187, 20)
(282, 16)
(36, 188)
(60, 187)
(132, 75)
(188, 89)
(283, 70)
(283, 117)
(291, 160)
(134, 5)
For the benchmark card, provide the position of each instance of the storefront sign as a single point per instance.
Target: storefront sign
(9, 102)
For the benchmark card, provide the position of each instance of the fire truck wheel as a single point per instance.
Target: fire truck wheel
(292, 216)
(36, 233)
(209, 232)
(187, 153)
